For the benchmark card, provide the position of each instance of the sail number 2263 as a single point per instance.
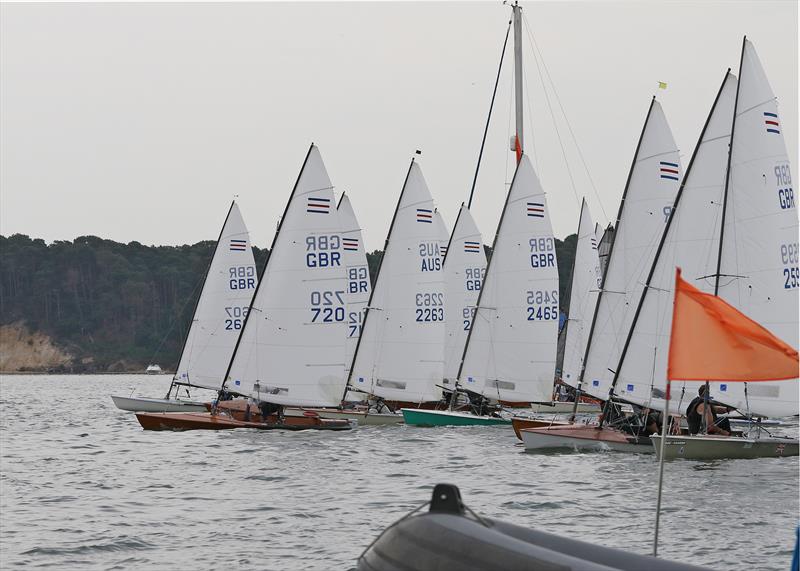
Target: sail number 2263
(430, 307)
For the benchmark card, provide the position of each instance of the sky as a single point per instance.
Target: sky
(143, 121)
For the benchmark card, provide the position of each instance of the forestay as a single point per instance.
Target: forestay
(292, 347)
(464, 268)
(647, 201)
(691, 242)
(400, 355)
(759, 262)
(358, 285)
(221, 307)
(584, 290)
(511, 349)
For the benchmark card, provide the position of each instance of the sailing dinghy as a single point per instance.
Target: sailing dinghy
(645, 207)
(511, 345)
(399, 358)
(758, 222)
(291, 350)
(224, 299)
(356, 297)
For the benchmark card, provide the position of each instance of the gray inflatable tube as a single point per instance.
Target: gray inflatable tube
(447, 539)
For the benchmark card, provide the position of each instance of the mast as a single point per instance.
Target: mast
(377, 277)
(264, 272)
(663, 239)
(517, 17)
(728, 175)
(566, 324)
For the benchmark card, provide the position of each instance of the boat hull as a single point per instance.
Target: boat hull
(518, 423)
(722, 447)
(141, 404)
(447, 538)
(360, 417)
(420, 417)
(208, 421)
(583, 437)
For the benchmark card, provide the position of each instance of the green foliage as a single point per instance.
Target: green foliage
(102, 299)
(125, 302)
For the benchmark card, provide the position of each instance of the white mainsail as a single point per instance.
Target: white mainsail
(221, 307)
(584, 289)
(646, 204)
(511, 348)
(400, 355)
(691, 241)
(358, 285)
(759, 262)
(292, 346)
(464, 268)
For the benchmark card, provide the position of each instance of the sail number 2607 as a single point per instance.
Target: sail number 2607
(542, 305)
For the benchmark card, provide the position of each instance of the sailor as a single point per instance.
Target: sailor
(696, 409)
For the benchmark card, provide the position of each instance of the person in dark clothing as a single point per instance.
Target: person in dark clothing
(696, 410)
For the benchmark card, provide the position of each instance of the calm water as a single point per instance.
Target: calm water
(83, 486)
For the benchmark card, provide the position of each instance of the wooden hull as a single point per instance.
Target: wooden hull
(518, 423)
(140, 404)
(362, 418)
(420, 417)
(207, 421)
(583, 437)
(720, 447)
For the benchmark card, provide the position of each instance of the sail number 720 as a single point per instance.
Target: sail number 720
(327, 306)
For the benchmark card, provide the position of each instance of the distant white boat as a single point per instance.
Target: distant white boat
(153, 370)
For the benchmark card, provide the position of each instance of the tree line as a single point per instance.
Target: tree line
(121, 306)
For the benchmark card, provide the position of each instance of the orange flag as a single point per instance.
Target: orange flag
(713, 341)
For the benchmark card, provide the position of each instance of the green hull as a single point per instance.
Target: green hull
(420, 417)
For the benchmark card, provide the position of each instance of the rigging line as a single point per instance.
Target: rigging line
(530, 120)
(553, 117)
(566, 120)
(489, 117)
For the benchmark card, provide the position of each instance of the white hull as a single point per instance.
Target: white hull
(362, 418)
(719, 447)
(541, 439)
(141, 404)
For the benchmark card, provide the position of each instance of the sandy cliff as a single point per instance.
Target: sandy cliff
(21, 350)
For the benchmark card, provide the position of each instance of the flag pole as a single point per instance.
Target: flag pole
(665, 422)
(664, 432)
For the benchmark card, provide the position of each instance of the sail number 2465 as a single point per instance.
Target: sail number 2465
(542, 305)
